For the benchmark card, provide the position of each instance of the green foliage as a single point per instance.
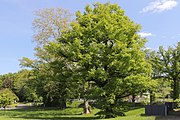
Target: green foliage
(23, 86)
(166, 65)
(7, 97)
(7, 80)
(106, 51)
(1, 82)
(164, 90)
(51, 78)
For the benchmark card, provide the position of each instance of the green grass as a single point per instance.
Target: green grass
(69, 113)
(72, 112)
(137, 114)
(49, 114)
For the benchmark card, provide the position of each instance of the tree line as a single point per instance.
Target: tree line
(98, 56)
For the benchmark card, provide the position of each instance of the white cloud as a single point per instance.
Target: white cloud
(145, 34)
(159, 6)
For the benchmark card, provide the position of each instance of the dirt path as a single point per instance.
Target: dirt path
(19, 106)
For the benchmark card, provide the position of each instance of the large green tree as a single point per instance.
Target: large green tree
(104, 46)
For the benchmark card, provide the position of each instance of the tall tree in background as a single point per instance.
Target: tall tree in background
(104, 46)
(151, 57)
(48, 25)
(166, 65)
(169, 66)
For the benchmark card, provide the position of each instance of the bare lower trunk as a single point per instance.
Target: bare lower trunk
(133, 98)
(86, 107)
(152, 97)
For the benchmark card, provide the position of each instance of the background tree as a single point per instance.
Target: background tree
(8, 80)
(169, 61)
(163, 85)
(52, 79)
(165, 66)
(49, 23)
(24, 87)
(1, 82)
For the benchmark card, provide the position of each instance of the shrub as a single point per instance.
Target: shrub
(7, 97)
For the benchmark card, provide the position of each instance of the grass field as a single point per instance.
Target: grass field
(73, 112)
(69, 113)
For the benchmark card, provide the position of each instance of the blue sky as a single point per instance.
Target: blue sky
(159, 20)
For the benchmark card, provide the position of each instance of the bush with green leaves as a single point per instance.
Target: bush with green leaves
(7, 97)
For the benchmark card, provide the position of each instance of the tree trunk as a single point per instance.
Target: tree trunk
(175, 89)
(62, 103)
(86, 107)
(133, 98)
(86, 102)
(152, 97)
(56, 102)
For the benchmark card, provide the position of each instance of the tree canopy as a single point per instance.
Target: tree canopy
(106, 51)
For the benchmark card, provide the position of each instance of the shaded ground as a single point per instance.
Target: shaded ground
(168, 118)
(173, 115)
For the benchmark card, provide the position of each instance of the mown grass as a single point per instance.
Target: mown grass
(69, 113)
(49, 114)
(72, 112)
(136, 114)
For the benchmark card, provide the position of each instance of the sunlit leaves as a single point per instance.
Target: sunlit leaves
(107, 51)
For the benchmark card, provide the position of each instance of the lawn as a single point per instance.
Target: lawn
(69, 113)
(137, 114)
(72, 112)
